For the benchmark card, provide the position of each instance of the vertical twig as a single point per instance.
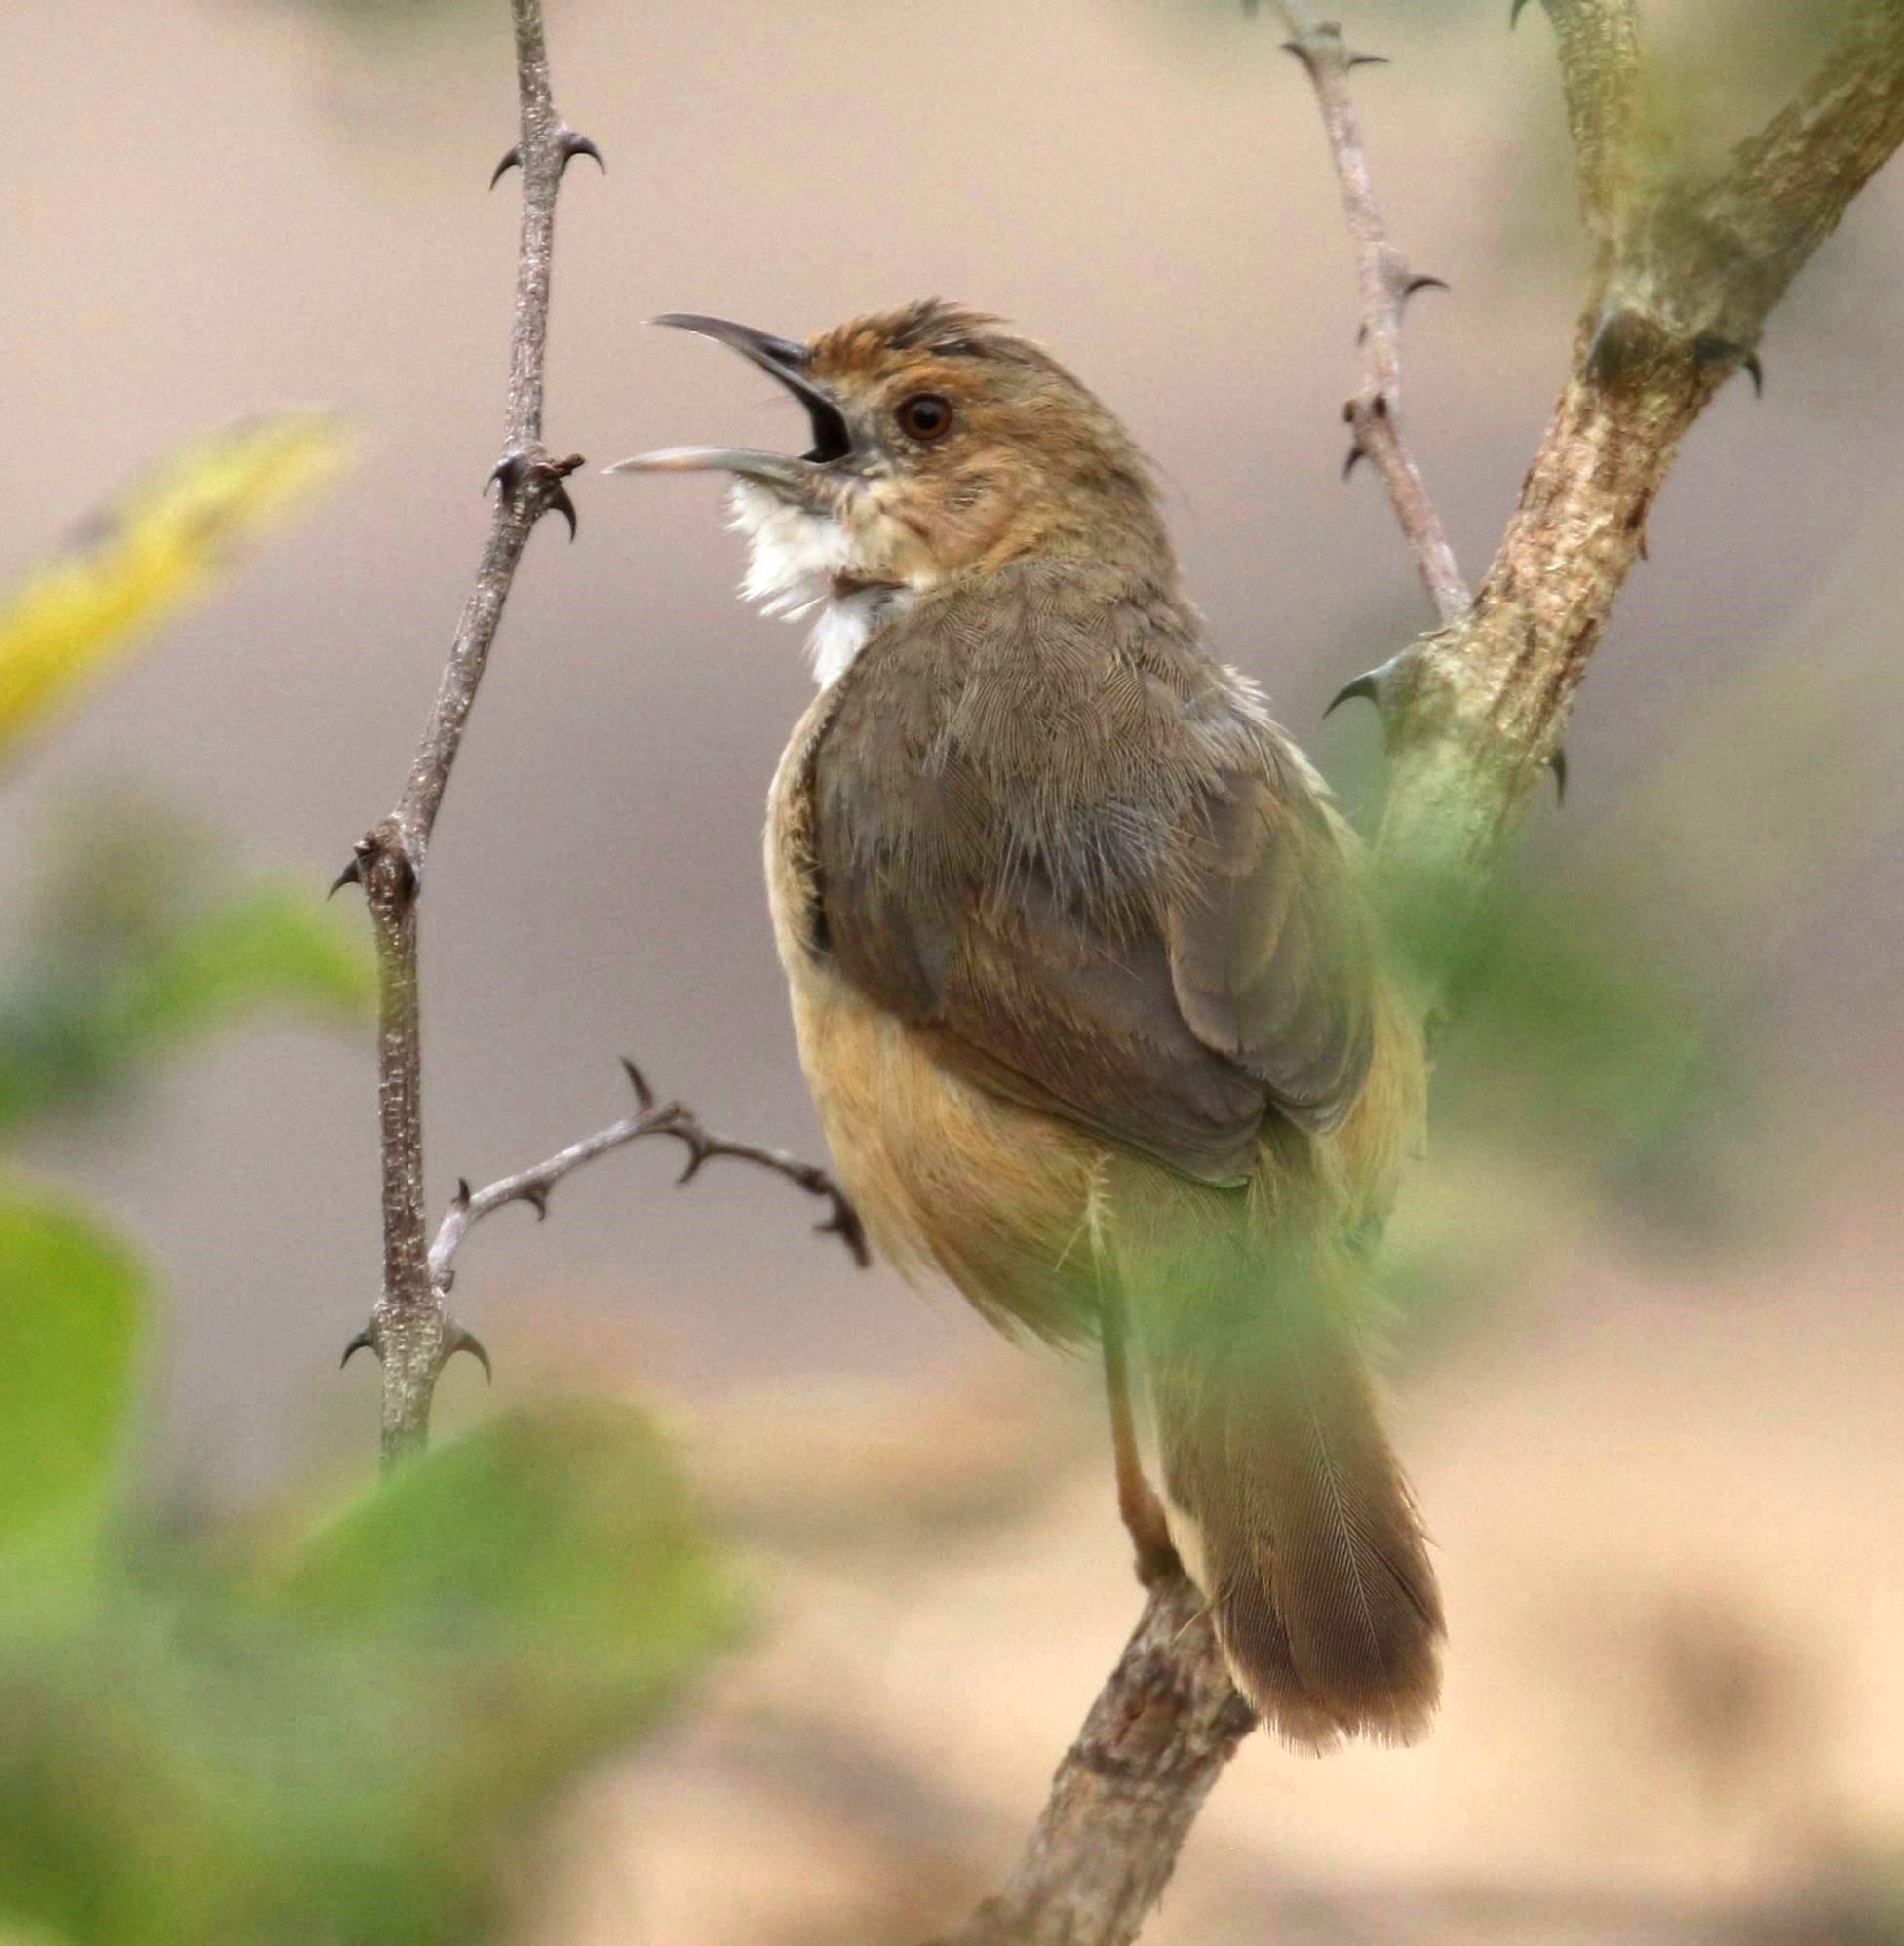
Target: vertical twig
(410, 1330)
(1383, 282)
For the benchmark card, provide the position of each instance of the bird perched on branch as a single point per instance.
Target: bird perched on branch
(1085, 975)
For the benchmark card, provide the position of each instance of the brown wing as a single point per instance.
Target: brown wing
(1054, 834)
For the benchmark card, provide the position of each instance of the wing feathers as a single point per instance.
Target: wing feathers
(1052, 830)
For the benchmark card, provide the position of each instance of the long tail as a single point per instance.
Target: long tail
(1291, 1511)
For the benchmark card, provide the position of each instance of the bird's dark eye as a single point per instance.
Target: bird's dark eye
(924, 416)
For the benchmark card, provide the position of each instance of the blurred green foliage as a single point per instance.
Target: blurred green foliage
(289, 1730)
(135, 944)
(328, 1730)
(336, 1736)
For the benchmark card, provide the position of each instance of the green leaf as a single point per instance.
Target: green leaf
(350, 1747)
(271, 947)
(71, 1304)
(565, 1526)
(134, 947)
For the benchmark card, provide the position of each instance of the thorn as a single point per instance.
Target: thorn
(459, 1339)
(696, 1155)
(1557, 764)
(363, 1342)
(1366, 688)
(560, 503)
(1356, 454)
(1757, 373)
(538, 1201)
(506, 473)
(844, 1223)
(464, 1194)
(573, 145)
(1365, 61)
(351, 875)
(1514, 19)
(513, 160)
(643, 1094)
(1415, 284)
(1620, 338)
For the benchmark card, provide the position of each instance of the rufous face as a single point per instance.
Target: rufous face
(941, 446)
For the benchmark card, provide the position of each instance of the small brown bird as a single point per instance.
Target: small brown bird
(1085, 974)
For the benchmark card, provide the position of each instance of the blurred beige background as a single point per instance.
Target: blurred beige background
(1643, 1464)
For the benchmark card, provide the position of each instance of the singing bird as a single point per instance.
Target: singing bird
(1086, 977)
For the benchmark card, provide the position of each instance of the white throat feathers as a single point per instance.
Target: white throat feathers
(797, 564)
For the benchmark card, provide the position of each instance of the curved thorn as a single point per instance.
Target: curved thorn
(1514, 17)
(1757, 373)
(351, 875)
(1365, 61)
(560, 503)
(1415, 284)
(465, 1195)
(363, 1342)
(1608, 348)
(1366, 688)
(1358, 454)
(1557, 764)
(643, 1094)
(513, 160)
(574, 145)
(467, 1341)
(538, 1201)
(844, 1223)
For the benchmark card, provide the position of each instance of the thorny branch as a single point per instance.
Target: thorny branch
(1384, 282)
(1680, 289)
(410, 1330)
(533, 1185)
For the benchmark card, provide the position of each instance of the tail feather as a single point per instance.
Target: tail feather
(1307, 1541)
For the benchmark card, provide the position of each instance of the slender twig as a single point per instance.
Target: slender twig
(1473, 712)
(410, 1330)
(533, 1185)
(1384, 282)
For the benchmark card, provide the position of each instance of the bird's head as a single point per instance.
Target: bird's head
(941, 447)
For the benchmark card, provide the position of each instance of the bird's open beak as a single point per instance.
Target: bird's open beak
(780, 359)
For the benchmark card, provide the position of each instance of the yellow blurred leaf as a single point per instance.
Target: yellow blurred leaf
(132, 563)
